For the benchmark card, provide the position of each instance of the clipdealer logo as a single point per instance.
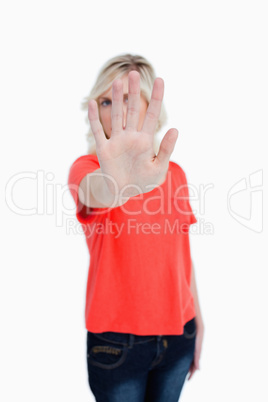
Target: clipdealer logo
(54, 199)
(133, 227)
(48, 198)
(248, 192)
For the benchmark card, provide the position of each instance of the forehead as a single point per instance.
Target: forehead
(124, 79)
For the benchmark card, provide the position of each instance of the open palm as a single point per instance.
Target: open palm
(128, 156)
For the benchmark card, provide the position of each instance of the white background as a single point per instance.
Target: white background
(213, 58)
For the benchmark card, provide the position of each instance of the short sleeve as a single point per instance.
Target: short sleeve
(80, 168)
(187, 206)
(181, 198)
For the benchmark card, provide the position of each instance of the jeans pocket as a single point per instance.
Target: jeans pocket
(190, 329)
(104, 354)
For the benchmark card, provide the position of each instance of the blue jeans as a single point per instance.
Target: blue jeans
(134, 368)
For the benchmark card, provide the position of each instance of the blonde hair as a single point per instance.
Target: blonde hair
(117, 67)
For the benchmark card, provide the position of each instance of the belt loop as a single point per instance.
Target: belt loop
(131, 340)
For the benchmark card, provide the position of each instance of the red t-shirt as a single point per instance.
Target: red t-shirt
(140, 263)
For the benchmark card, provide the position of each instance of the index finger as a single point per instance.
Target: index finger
(154, 108)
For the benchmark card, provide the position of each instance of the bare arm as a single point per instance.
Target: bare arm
(94, 192)
(199, 328)
(199, 319)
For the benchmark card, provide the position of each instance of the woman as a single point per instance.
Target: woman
(143, 320)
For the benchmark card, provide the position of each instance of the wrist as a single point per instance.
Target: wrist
(110, 198)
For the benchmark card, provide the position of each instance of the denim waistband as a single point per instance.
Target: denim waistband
(127, 339)
(123, 338)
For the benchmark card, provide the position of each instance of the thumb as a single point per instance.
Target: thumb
(167, 145)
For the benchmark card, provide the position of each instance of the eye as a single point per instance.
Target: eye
(106, 102)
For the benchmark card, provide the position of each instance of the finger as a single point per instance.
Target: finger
(191, 374)
(154, 108)
(133, 108)
(167, 146)
(95, 124)
(117, 107)
(191, 371)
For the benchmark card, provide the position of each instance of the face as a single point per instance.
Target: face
(105, 108)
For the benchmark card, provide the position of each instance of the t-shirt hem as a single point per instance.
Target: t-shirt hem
(135, 331)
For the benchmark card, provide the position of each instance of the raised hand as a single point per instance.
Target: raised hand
(127, 159)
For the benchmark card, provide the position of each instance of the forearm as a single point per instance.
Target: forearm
(199, 319)
(94, 192)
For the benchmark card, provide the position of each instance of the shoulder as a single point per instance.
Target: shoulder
(86, 158)
(88, 163)
(81, 167)
(176, 168)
